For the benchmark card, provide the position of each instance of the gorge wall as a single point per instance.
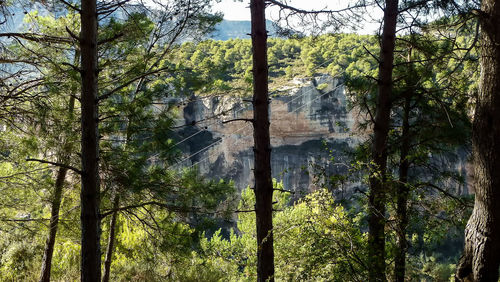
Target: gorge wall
(307, 119)
(310, 124)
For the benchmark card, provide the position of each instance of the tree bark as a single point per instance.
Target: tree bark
(54, 221)
(262, 150)
(90, 198)
(111, 239)
(481, 257)
(376, 220)
(402, 197)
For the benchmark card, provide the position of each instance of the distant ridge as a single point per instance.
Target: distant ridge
(226, 30)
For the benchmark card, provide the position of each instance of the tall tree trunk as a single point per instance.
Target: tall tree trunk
(54, 221)
(90, 198)
(262, 150)
(481, 257)
(402, 197)
(56, 200)
(111, 239)
(376, 221)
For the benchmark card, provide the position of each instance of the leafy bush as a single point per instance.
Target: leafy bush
(314, 240)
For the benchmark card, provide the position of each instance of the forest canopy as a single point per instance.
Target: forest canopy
(94, 182)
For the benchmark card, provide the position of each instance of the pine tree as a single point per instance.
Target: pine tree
(481, 257)
(262, 147)
(377, 195)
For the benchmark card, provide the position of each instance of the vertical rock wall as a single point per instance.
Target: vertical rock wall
(310, 123)
(307, 119)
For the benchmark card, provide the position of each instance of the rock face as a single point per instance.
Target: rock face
(307, 120)
(312, 131)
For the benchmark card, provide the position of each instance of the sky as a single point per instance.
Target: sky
(238, 10)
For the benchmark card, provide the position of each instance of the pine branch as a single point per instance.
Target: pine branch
(111, 38)
(153, 203)
(36, 37)
(55, 164)
(238, 119)
(74, 36)
(444, 192)
(132, 80)
(285, 191)
(71, 6)
(242, 211)
(301, 11)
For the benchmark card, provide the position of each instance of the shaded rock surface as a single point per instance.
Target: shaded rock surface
(311, 123)
(307, 120)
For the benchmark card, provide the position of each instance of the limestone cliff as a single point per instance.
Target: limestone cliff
(306, 120)
(310, 124)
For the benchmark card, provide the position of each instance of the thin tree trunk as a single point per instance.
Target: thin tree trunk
(54, 221)
(376, 221)
(402, 197)
(90, 198)
(262, 149)
(481, 257)
(111, 239)
(56, 200)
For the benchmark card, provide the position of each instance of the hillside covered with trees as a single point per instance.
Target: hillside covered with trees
(90, 188)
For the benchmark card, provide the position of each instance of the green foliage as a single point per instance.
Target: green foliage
(219, 65)
(20, 261)
(163, 211)
(314, 239)
(424, 268)
(135, 163)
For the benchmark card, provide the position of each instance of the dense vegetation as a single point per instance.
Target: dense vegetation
(158, 223)
(228, 64)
